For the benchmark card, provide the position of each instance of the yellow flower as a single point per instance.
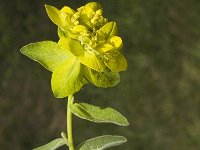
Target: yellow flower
(89, 49)
(89, 36)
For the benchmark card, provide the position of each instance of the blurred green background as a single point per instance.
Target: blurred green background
(159, 93)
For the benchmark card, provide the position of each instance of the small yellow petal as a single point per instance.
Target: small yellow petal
(79, 28)
(67, 10)
(103, 48)
(115, 41)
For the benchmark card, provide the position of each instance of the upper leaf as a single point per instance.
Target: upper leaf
(102, 142)
(67, 78)
(97, 114)
(47, 53)
(52, 145)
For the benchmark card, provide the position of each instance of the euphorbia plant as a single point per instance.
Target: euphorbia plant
(88, 51)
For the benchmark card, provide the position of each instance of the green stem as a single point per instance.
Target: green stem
(69, 122)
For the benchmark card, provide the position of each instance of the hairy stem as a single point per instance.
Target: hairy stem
(69, 122)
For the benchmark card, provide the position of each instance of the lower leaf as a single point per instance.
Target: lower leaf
(102, 142)
(97, 114)
(52, 145)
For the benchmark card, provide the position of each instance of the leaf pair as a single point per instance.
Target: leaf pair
(97, 143)
(94, 114)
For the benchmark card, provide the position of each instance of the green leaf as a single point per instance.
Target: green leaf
(102, 142)
(97, 114)
(52, 145)
(67, 78)
(102, 79)
(49, 54)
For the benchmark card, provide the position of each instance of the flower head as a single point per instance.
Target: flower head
(97, 44)
(89, 49)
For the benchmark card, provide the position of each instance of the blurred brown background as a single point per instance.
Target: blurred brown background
(159, 94)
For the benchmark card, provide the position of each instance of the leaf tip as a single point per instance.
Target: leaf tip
(124, 139)
(21, 49)
(126, 122)
(47, 6)
(24, 50)
(49, 9)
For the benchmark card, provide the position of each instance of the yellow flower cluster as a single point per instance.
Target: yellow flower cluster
(89, 36)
